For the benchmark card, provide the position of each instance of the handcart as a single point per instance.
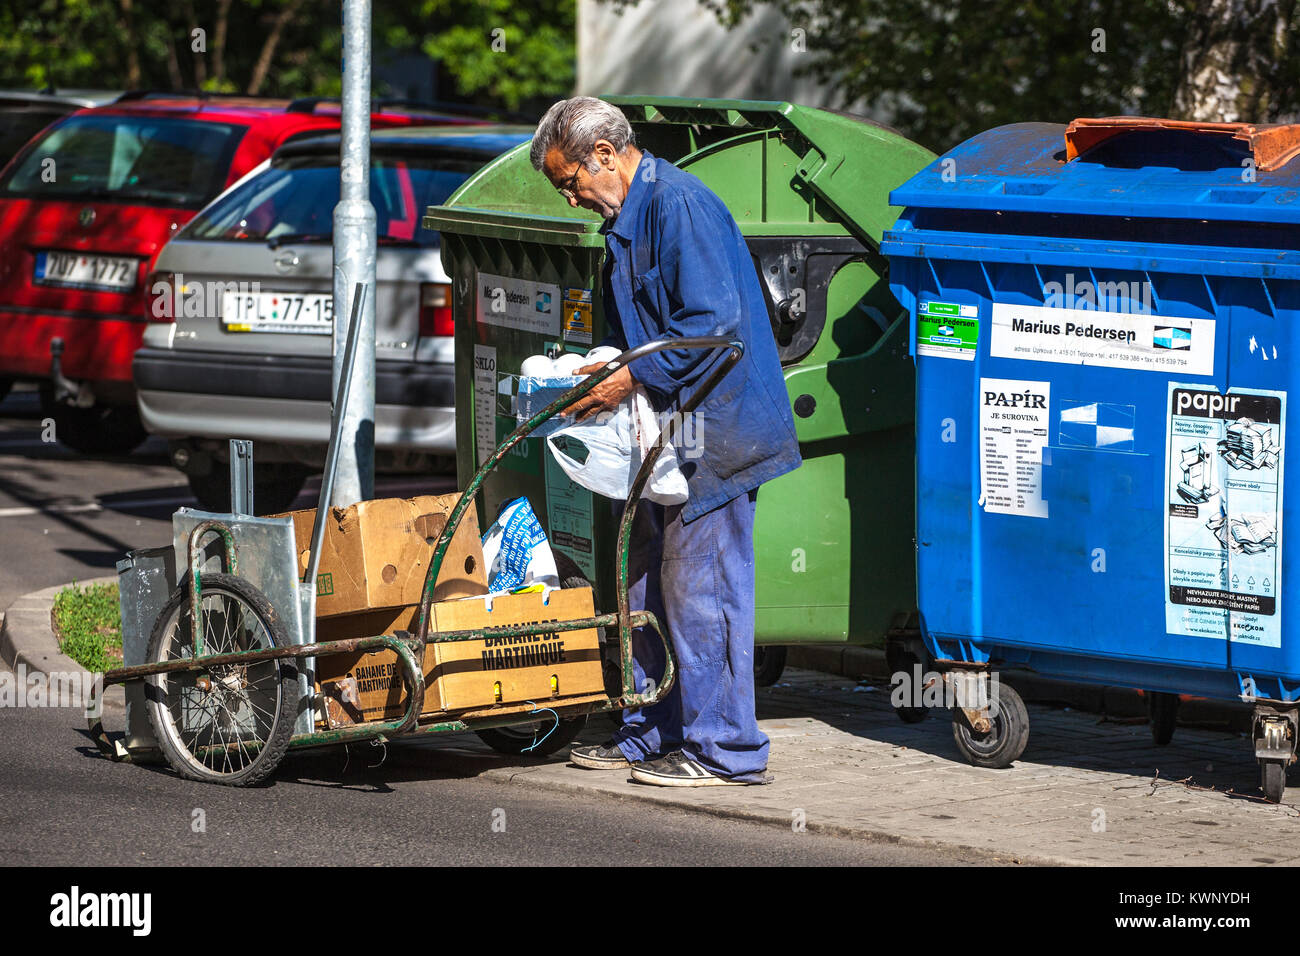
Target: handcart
(222, 685)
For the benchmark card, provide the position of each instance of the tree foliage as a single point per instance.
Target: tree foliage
(512, 51)
(280, 47)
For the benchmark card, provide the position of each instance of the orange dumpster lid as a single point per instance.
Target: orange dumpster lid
(1271, 145)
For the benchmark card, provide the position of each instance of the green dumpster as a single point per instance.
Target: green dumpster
(809, 189)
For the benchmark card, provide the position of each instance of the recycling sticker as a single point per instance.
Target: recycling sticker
(947, 330)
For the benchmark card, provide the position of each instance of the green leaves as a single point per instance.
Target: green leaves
(511, 52)
(88, 624)
(496, 50)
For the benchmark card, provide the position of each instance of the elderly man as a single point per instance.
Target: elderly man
(677, 266)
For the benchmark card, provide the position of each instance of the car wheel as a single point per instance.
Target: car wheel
(275, 488)
(5, 385)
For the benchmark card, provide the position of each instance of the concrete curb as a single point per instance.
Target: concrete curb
(27, 634)
(861, 663)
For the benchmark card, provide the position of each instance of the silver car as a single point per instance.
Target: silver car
(240, 345)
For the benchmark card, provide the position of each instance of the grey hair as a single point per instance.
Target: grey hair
(573, 126)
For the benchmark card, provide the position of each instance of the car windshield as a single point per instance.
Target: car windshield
(294, 200)
(140, 159)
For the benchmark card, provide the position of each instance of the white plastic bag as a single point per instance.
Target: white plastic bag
(603, 453)
(516, 551)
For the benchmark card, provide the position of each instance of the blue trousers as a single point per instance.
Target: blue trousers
(698, 580)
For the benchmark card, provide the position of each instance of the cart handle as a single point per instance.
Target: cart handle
(735, 349)
(229, 566)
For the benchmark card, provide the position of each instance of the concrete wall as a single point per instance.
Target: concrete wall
(678, 48)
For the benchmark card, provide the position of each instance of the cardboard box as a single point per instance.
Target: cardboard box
(376, 554)
(384, 620)
(464, 675)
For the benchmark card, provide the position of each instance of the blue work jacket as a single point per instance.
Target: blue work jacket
(678, 266)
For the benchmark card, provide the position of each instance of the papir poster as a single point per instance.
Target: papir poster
(1013, 431)
(1223, 525)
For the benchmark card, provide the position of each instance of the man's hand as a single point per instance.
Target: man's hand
(604, 397)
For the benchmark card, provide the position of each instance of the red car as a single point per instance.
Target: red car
(85, 209)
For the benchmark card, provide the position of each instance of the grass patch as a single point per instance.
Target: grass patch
(88, 625)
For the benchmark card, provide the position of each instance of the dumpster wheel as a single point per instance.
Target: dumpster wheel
(1275, 739)
(769, 663)
(1272, 779)
(227, 724)
(1162, 711)
(1006, 737)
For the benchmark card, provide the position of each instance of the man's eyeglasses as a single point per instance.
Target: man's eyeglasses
(570, 184)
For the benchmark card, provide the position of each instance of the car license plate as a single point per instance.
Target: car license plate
(86, 271)
(277, 312)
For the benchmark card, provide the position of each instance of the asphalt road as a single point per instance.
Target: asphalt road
(63, 804)
(64, 517)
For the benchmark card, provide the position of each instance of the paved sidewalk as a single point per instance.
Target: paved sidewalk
(1087, 791)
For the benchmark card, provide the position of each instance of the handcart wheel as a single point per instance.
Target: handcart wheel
(515, 740)
(1272, 779)
(1162, 710)
(1006, 738)
(229, 724)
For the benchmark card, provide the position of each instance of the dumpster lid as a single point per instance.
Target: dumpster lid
(1272, 147)
(781, 168)
(1120, 166)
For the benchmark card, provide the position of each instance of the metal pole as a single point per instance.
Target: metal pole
(354, 263)
(241, 476)
(332, 454)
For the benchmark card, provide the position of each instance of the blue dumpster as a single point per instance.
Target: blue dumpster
(1101, 319)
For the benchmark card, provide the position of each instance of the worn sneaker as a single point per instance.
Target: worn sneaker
(604, 756)
(678, 770)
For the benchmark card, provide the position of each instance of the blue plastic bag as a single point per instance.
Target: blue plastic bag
(516, 551)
